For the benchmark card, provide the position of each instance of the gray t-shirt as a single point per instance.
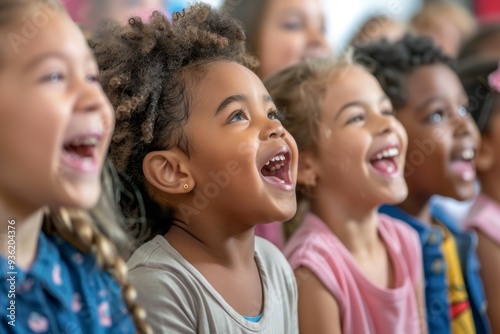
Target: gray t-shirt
(178, 299)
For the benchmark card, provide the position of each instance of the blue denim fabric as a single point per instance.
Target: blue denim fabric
(63, 292)
(436, 292)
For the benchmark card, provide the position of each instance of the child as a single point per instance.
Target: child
(378, 27)
(431, 104)
(55, 126)
(199, 137)
(281, 33)
(357, 271)
(481, 79)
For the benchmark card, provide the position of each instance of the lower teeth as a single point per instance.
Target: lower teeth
(282, 181)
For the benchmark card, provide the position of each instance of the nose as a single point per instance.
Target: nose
(317, 45)
(91, 98)
(463, 125)
(272, 129)
(383, 123)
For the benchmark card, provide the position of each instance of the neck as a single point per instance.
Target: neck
(491, 187)
(418, 207)
(214, 242)
(354, 226)
(21, 230)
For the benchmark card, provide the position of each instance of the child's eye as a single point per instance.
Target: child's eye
(435, 117)
(292, 25)
(92, 78)
(389, 112)
(275, 115)
(463, 111)
(356, 118)
(238, 115)
(54, 77)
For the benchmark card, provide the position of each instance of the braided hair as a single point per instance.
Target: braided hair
(148, 71)
(392, 62)
(95, 231)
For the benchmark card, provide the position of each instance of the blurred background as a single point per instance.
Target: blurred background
(344, 18)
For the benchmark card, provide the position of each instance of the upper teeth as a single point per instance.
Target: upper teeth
(389, 153)
(277, 158)
(468, 154)
(90, 141)
(280, 157)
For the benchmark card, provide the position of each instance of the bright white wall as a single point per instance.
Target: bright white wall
(346, 16)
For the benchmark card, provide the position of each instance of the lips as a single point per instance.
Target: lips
(385, 161)
(276, 170)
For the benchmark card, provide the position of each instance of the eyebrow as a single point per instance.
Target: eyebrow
(356, 103)
(58, 55)
(238, 98)
(426, 103)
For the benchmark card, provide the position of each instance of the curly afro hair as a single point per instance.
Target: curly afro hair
(391, 62)
(147, 70)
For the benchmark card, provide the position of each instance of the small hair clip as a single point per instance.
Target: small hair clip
(494, 79)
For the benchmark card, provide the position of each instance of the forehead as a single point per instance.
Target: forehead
(429, 80)
(226, 78)
(311, 7)
(352, 83)
(41, 29)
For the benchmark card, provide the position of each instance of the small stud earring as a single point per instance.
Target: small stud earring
(186, 186)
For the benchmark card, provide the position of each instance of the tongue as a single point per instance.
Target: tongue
(464, 169)
(384, 166)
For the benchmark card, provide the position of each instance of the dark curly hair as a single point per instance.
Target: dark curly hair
(148, 71)
(483, 99)
(391, 62)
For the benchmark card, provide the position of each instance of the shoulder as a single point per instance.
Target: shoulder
(156, 265)
(398, 229)
(273, 262)
(405, 242)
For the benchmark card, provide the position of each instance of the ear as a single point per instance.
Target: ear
(485, 157)
(168, 171)
(307, 174)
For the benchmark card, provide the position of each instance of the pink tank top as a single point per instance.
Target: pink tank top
(484, 215)
(364, 307)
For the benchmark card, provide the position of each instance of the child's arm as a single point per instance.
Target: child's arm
(419, 290)
(489, 255)
(318, 309)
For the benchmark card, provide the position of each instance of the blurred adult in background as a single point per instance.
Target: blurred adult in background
(447, 23)
(281, 33)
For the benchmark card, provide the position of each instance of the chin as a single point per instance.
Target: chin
(285, 212)
(85, 198)
(398, 194)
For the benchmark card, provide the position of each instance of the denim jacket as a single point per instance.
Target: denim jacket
(64, 291)
(436, 292)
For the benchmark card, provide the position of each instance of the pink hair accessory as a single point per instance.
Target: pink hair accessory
(494, 79)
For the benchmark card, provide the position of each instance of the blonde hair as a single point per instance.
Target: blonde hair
(299, 91)
(89, 231)
(433, 12)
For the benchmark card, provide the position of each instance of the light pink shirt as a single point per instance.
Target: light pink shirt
(364, 306)
(484, 215)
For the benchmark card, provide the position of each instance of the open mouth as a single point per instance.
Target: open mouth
(462, 164)
(80, 153)
(277, 169)
(385, 161)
